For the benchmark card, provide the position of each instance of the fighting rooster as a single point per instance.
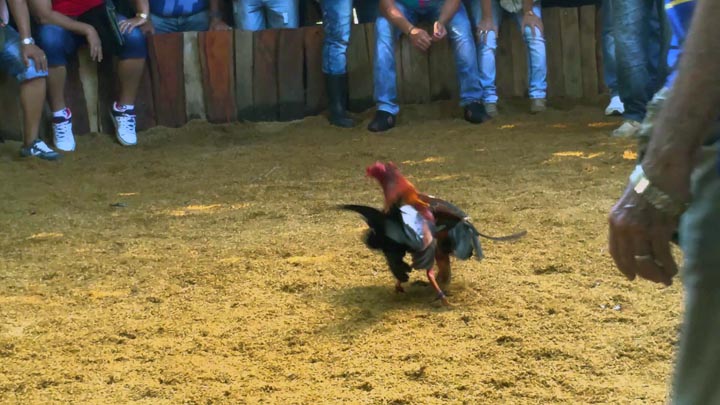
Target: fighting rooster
(428, 228)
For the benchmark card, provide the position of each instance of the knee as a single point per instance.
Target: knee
(135, 45)
(533, 38)
(53, 40)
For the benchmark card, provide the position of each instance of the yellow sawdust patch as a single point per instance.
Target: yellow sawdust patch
(21, 299)
(602, 124)
(630, 155)
(431, 159)
(45, 236)
(99, 294)
(507, 126)
(561, 126)
(127, 194)
(309, 259)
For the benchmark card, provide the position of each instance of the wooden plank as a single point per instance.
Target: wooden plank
(88, 71)
(416, 73)
(291, 89)
(519, 57)
(572, 66)
(553, 44)
(504, 59)
(144, 105)
(244, 74)
(587, 52)
(602, 88)
(443, 75)
(265, 90)
(399, 82)
(192, 74)
(106, 91)
(166, 67)
(360, 70)
(217, 59)
(315, 96)
(75, 97)
(11, 127)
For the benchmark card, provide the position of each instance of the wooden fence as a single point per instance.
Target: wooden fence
(276, 75)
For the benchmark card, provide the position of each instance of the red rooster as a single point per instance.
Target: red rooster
(428, 228)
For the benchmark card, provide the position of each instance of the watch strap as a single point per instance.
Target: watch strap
(652, 194)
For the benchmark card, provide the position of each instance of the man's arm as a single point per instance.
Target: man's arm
(449, 8)
(142, 13)
(530, 19)
(21, 15)
(42, 10)
(396, 18)
(691, 109)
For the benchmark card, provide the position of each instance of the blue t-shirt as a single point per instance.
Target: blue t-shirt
(177, 8)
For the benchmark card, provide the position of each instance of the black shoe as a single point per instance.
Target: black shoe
(475, 113)
(382, 122)
(337, 101)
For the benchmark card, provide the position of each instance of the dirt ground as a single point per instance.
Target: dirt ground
(208, 265)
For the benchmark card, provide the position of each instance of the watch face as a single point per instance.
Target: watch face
(641, 186)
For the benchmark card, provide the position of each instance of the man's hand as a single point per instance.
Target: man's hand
(93, 40)
(531, 20)
(640, 239)
(420, 38)
(36, 54)
(217, 24)
(439, 31)
(485, 27)
(148, 28)
(127, 26)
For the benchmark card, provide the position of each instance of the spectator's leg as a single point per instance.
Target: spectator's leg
(367, 10)
(536, 61)
(463, 43)
(615, 107)
(130, 70)
(631, 33)
(282, 13)
(58, 44)
(656, 48)
(164, 25)
(250, 15)
(198, 22)
(486, 48)
(337, 15)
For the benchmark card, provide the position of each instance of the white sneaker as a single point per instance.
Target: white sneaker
(628, 129)
(616, 106)
(124, 126)
(63, 137)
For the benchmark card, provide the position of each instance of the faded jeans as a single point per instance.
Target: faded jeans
(463, 44)
(256, 15)
(337, 20)
(537, 59)
(638, 32)
(185, 23)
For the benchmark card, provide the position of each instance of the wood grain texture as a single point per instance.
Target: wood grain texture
(571, 56)
(265, 74)
(442, 72)
(315, 96)
(75, 97)
(359, 70)
(504, 61)
(88, 73)
(217, 59)
(244, 74)
(519, 57)
(167, 71)
(588, 58)
(291, 89)
(416, 75)
(554, 49)
(107, 90)
(192, 74)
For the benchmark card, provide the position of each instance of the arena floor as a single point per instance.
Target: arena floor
(208, 265)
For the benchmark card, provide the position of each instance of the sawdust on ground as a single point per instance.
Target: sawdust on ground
(208, 265)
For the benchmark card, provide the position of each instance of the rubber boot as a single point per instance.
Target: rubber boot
(337, 98)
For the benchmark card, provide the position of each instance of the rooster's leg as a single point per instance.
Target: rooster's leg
(440, 294)
(443, 264)
(398, 287)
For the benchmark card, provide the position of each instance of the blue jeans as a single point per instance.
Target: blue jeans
(608, 48)
(638, 48)
(11, 59)
(337, 19)
(256, 15)
(463, 45)
(537, 60)
(59, 43)
(194, 22)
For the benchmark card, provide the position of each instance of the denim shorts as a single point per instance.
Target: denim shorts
(11, 60)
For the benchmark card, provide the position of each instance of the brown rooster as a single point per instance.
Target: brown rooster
(428, 228)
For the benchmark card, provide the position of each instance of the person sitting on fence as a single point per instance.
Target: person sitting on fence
(256, 15)
(186, 15)
(20, 58)
(337, 19)
(67, 24)
(487, 15)
(616, 106)
(399, 16)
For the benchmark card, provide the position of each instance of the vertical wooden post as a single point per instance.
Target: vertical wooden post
(192, 74)
(315, 97)
(291, 91)
(587, 52)
(166, 68)
(217, 62)
(265, 89)
(244, 74)
(571, 55)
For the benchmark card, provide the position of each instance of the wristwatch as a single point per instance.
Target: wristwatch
(144, 16)
(656, 197)
(28, 41)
